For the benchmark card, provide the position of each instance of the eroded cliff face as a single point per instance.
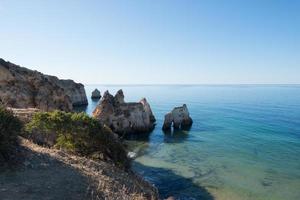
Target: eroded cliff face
(122, 117)
(24, 88)
(75, 91)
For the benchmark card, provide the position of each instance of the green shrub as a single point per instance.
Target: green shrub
(10, 128)
(77, 133)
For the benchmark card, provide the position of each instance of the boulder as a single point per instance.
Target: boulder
(24, 88)
(96, 94)
(179, 117)
(122, 117)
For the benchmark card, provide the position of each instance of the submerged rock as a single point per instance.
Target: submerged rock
(179, 117)
(24, 88)
(96, 94)
(122, 117)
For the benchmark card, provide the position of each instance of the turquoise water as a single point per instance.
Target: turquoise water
(244, 143)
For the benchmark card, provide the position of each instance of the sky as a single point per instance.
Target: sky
(155, 41)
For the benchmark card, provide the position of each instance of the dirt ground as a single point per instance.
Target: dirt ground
(51, 174)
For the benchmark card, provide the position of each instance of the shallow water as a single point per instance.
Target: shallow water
(244, 143)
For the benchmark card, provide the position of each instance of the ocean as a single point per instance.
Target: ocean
(244, 143)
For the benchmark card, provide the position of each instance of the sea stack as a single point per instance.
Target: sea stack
(24, 88)
(124, 118)
(96, 94)
(179, 117)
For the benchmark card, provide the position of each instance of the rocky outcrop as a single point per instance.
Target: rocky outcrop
(96, 94)
(24, 88)
(122, 117)
(75, 91)
(179, 117)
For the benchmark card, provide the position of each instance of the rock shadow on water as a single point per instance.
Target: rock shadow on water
(170, 184)
(176, 136)
(87, 108)
(144, 137)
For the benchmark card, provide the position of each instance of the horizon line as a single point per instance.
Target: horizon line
(193, 84)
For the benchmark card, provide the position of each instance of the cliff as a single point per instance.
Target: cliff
(124, 117)
(75, 91)
(24, 88)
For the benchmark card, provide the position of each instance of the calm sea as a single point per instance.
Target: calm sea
(244, 143)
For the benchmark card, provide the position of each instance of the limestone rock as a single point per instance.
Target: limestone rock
(148, 109)
(179, 117)
(75, 91)
(119, 97)
(24, 88)
(96, 94)
(122, 117)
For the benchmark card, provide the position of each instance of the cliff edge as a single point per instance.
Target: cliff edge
(24, 88)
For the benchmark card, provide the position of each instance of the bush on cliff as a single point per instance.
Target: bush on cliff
(77, 133)
(10, 128)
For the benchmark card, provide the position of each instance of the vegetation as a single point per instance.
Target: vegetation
(77, 133)
(10, 128)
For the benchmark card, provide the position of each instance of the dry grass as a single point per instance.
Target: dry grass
(104, 180)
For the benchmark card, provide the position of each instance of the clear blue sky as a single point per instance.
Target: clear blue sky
(163, 41)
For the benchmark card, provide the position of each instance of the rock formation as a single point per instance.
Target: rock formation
(96, 94)
(124, 117)
(75, 91)
(179, 117)
(24, 88)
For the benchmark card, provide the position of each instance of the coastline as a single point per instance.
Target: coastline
(98, 157)
(234, 126)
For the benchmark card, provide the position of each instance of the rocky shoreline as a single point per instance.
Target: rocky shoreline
(26, 93)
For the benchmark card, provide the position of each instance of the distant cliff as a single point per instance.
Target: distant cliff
(24, 88)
